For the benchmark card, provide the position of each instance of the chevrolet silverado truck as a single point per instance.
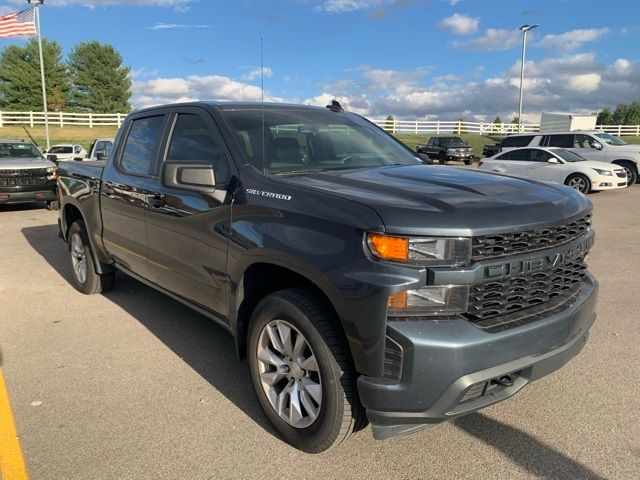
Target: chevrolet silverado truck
(25, 175)
(447, 148)
(359, 284)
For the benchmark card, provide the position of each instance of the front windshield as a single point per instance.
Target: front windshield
(60, 149)
(21, 150)
(451, 141)
(610, 139)
(299, 141)
(568, 156)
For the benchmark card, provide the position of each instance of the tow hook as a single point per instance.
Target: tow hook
(504, 381)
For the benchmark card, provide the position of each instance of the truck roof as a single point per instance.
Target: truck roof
(234, 106)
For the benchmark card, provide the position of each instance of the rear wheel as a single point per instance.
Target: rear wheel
(629, 169)
(302, 372)
(85, 278)
(579, 182)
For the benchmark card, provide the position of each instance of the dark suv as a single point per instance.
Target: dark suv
(447, 148)
(359, 283)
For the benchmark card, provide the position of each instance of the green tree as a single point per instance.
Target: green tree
(498, 120)
(620, 114)
(99, 81)
(20, 87)
(605, 117)
(632, 116)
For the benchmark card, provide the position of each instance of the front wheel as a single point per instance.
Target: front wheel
(468, 162)
(579, 182)
(302, 372)
(85, 279)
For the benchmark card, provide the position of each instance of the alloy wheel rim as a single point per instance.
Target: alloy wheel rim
(629, 174)
(578, 183)
(289, 374)
(78, 258)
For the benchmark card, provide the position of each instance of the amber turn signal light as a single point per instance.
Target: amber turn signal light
(398, 300)
(389, 248)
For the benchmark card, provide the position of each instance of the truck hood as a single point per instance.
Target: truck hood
(434, 200)
(21, 163)
(630, 147)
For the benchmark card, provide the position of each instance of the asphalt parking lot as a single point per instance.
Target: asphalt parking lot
(132, 384)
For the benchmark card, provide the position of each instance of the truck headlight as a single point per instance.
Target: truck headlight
(603, 172)
(451, 150)
(421, 251)
(427, 301)
(53, 173)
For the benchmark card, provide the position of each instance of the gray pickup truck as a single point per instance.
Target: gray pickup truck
(25, 175)
(359, 283)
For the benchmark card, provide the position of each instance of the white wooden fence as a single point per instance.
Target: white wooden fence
(417, 127)
(62, 119)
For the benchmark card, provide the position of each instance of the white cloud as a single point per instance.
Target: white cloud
(578, 83)
(494, 39)
(460, 24)
(255, 73)
(453, 3)
(585, 83)
(183, 89)
(104, 3)
(573, 39)
(174, 26)
(342, 6)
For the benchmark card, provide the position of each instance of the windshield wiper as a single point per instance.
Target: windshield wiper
(303, 171)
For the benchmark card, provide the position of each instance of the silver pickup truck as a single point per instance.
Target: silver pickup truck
(25, 175)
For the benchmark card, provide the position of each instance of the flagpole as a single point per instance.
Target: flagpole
(44, 88)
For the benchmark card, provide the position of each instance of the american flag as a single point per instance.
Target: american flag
(18, 23)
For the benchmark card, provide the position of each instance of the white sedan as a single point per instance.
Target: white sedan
(557, 165)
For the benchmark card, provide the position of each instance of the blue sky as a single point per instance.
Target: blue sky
(409, 58)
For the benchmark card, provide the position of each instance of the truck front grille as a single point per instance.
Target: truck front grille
(491, 246)
(500, 297)
(19, 178)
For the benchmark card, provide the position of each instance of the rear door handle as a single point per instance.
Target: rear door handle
(156, 201)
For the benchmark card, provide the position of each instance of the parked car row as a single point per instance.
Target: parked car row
(27, 176)
(587, 160)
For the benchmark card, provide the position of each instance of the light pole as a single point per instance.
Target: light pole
(525, 28)
(37, 4)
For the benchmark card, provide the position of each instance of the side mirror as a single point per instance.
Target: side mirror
(424, 157)
(197, 177)
(553, 160)
(597, 145)
(101, 156)
(52, 158)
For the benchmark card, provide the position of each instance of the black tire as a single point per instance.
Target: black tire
(92, 282)
(442, 159)
(630, 170)
(468, 162)
(579, 182)
(52, 205)
(340, 415)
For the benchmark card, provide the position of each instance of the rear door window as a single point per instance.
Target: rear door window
(142, 144)
(520, 155)
(517, 141)
(563, 141)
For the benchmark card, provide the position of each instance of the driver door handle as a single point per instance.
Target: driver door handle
(156, 200)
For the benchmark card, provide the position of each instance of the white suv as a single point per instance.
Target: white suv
(592, 145)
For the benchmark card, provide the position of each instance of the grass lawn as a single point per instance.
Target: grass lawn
(82, 135)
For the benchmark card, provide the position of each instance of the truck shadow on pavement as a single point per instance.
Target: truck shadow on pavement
(523, 449)
(206, 347)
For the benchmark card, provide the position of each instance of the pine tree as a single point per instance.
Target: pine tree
(498, 120)
(20, 87)
(99, 81)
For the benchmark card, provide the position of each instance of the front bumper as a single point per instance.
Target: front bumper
(459, 157)
(602, 182)
(42, 194)
(451, 367)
